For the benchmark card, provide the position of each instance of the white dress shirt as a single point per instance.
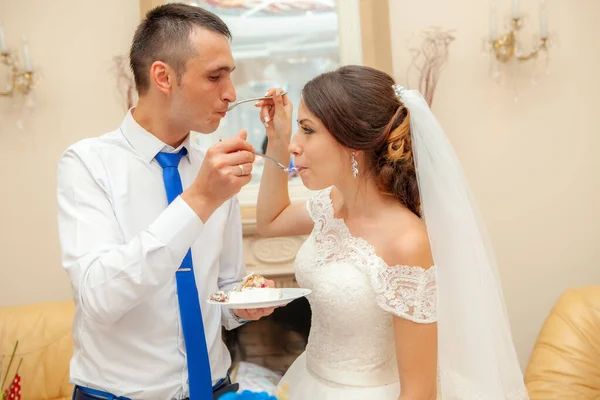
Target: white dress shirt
(121, 245)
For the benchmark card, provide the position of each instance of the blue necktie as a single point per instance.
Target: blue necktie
(199, 376)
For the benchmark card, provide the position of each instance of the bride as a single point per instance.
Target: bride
(406, 301)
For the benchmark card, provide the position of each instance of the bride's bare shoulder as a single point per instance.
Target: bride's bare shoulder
(408, 240)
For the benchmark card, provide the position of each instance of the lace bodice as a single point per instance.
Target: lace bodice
(354, 294)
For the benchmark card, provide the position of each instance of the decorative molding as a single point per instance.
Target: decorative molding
(275, 250)
(248, 199)
(271, 257)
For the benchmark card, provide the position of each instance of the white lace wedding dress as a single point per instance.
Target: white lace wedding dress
(350, 353)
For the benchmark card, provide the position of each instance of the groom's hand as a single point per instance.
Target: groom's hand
(253, 314)
(226, 168)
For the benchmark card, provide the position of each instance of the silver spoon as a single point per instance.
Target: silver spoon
(237, 103)
(281, 166)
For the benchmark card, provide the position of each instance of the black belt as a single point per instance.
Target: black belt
(224, 386)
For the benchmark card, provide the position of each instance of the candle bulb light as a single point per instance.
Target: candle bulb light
(515, 9)
(543, 19)
(3, 47)
(26, 56)
(493, 31)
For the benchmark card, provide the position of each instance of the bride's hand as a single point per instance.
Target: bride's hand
(276, 115)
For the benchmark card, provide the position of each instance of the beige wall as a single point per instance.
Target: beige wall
(72, 43)
(533, 166)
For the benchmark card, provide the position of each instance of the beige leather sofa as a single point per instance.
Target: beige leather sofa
(565, 362)
(45, 345)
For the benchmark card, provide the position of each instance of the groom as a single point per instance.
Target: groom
(149, 226)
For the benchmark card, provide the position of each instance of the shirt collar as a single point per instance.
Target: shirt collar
(145, 143)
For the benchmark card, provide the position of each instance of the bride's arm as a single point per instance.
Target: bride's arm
(416, 354)
(276, 215)
(415, 329)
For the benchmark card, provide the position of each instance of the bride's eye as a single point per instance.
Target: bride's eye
(307, 130)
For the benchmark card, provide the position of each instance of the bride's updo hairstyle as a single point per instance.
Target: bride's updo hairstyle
(359, 108)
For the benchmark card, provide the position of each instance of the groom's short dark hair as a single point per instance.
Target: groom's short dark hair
(164, 35)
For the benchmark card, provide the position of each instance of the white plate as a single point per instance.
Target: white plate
(289, 294)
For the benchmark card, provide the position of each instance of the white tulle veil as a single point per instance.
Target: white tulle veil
(477, 358)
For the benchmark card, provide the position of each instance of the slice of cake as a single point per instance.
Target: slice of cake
(220, 297)
(255, 295)
(251, 281)
(253, 289)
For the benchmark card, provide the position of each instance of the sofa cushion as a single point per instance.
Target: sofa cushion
(565, 362)
(45, 345)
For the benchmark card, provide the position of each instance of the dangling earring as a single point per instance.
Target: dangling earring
(354, 166)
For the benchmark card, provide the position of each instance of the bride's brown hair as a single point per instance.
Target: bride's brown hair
(359, 108)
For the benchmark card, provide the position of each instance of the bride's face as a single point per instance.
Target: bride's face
(317, 155)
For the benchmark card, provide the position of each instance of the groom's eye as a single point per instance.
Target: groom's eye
(214, 78)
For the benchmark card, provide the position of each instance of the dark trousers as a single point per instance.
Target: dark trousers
(225, 386)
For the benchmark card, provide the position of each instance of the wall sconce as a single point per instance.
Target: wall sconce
(20, 80)
(507, 48)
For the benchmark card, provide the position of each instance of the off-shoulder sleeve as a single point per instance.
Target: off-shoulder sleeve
(408, 292)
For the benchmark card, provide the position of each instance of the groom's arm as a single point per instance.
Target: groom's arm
(231, 261)
(110, 275)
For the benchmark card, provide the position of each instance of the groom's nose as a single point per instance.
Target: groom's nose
(229, 94)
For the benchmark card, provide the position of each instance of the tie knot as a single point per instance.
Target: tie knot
(170, 159)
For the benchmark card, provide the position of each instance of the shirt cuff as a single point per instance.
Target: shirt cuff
(230, 320)
(178, 225)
